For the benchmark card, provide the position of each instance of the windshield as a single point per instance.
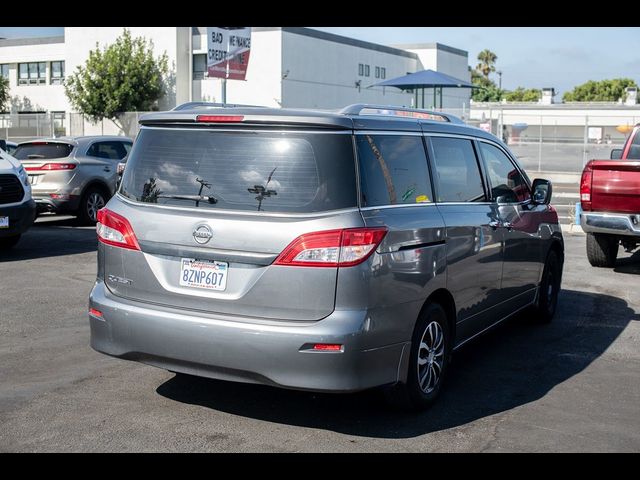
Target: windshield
(38, 151)
(240, 170)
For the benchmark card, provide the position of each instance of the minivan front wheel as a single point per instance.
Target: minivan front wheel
(93, 200)
(430, 351)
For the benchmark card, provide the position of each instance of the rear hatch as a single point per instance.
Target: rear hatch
(227, 202)
(48, 163)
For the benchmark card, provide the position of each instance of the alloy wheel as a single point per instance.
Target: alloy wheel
(431, 357)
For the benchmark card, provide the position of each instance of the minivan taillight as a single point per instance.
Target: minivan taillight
(332, 248)
(115, 230)
(585, 187)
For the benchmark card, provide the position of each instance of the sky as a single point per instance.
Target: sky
(531, 57)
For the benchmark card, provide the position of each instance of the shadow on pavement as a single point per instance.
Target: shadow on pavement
(629, 265)
(52, 237)
(517, 363)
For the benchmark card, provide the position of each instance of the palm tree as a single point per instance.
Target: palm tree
(487, 63)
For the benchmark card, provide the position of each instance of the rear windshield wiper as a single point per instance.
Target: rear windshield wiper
(195, 198)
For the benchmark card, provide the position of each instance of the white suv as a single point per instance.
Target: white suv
(17, 208)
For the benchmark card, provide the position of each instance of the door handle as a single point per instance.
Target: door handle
(495, 224)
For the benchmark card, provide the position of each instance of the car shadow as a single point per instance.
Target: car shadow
(629, 264)
(515, 364)
(52, 236)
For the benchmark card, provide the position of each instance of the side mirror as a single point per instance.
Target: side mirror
(616, 154)
(542, 191)
(3, 145)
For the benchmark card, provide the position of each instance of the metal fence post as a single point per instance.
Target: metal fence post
(585, 140)
(540, 147)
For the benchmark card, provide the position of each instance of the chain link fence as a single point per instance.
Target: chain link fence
(561, 143)
(543, 143)
(19, 127)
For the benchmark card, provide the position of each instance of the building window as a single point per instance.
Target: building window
(32, 73)
(377, 72)
(4, 70)
(58, 123)
(383, 73)
(366, 70)
(199, 66)
(57, 72)
(360, 69)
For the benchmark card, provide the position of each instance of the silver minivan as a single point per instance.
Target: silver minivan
(319, 251)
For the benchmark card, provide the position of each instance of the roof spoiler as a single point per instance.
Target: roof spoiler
(391, 110)
(192, 105)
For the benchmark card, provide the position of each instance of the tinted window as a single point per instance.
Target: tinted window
(634, 149)
(34, 151)
(456, 169)
(269, 171)
(393, 170)
(110, 150)
(507, 184)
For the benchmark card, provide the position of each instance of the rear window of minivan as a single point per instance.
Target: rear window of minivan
(289, 172)
(37, 151)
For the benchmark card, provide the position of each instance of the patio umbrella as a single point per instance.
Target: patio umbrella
(425, 79)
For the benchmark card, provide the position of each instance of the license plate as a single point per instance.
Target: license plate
(4, 222)
(203, 274)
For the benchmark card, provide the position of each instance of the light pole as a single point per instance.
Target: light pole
(499, 79)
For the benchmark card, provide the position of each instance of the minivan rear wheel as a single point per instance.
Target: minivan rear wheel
(93, 200)
(428, 361)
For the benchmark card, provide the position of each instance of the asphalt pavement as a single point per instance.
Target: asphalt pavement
(573, 385)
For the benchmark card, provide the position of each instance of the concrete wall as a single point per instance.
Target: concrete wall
(323, 74)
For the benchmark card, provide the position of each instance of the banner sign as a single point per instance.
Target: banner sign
(228, 51)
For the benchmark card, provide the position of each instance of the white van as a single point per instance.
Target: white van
(17, 208)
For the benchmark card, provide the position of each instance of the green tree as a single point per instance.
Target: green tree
(521, 94)
(123, 77)
(600, 91)
(4, 93)
(488, 91)
(487, 62)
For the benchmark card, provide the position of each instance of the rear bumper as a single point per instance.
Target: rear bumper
(230, 349)
(21, 217)
(611, 223)
(47, 204)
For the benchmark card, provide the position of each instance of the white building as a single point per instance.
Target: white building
(288, 67)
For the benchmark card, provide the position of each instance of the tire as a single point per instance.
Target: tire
(602, 250)
(92, 200)
(545, 309)
(422, 388)
(9, 242)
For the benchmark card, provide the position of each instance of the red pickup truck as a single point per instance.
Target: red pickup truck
(610, 201)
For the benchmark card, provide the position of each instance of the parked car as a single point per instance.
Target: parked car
(17, 208)
(319, 251)
(610, 203)
(75, 175)
(8, 146)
